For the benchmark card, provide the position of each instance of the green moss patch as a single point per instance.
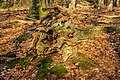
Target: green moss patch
(90, 33)
(0, 71)
(23, 37)
(111, 29)
(31, 57)
(44, 66)
(22, 61)
(86, 63)
(58, 70)
(10, 54)
(12, 63)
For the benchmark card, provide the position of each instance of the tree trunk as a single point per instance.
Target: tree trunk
(72, 4)
(37, 8)
(42, 5)
(101, 3)
(110, 6)
(34, 10)
(118, 3)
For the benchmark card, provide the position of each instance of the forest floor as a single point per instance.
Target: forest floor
(94, 56)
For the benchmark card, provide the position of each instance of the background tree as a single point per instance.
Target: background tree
(34, 10)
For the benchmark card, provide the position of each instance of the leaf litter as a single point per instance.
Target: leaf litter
(78, 41)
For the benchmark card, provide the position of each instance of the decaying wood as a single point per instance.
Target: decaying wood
(53, 11)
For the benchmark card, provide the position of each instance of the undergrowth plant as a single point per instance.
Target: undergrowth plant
(85, 62)
(23, 62)
(44, 66)
(24, 37)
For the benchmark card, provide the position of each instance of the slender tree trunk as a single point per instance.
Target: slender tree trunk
(42, 5)
(37, 8)
(118, 3)
(34, 10)
(101, 3)
(110, 6)
(72, 4)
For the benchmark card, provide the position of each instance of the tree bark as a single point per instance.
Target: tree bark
(118, 3)
(72, 4)
(101, 3)
(34, 10)
(110, 6)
